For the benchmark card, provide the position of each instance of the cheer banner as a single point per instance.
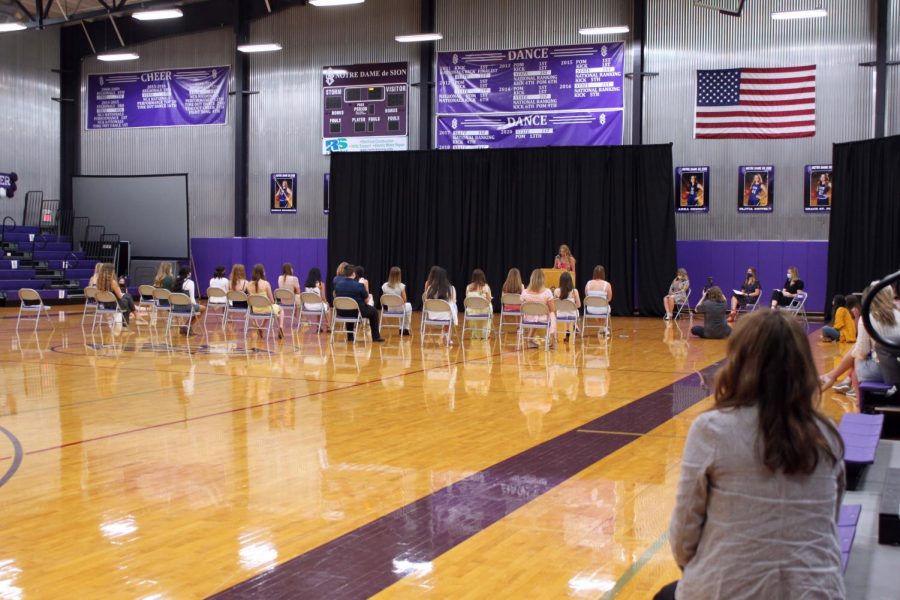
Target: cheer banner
(159, 98)
(527, 130)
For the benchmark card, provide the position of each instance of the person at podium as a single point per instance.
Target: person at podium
(564, 260)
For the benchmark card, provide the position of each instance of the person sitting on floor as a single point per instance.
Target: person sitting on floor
(762, 477)
(843, 324)
(712, 305)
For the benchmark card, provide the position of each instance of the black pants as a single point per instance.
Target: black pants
(780, 298)
(367, 312)
(700, 332)
(667, 593)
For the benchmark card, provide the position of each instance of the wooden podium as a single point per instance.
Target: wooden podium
(551, 277)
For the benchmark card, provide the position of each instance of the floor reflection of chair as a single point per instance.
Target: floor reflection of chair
(344, 358)
(23, 342)
(439, 377)
(478, 364)
(595, 369)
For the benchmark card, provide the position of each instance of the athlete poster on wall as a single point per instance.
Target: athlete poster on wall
(817, 189)
(691, 189)
(756, 189)
(282, 193)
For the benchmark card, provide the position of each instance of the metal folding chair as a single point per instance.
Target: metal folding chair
(217, 307)
(30, 303)
(437, 313)
(108, 308)
(393, 307)
(478, 312)
(680, 306)
(596, 308)
(540, 315)
(510, 311)
(313, 307)
(236, 308)
(181, 309)
(287, 300)
(260, 315)
(90, 302)
(346, 305)
(567, 314)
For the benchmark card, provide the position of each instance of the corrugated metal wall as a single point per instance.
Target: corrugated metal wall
(29, 119)
(499, 24)
(683, 39)
(206, 153)
(893, 79)
(286, 115)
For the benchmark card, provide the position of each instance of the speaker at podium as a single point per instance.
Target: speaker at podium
(551, 277)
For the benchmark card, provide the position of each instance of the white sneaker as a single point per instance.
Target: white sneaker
(843, 386)
(667, 317)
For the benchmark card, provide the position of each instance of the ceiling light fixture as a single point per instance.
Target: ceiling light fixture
(117, 56)
(334, 2)
(419, 37)
(250, 48)
(814, 13)
(603, 30)
(5, 27)
(158, 15)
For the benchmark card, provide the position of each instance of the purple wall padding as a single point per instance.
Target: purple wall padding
(209, 253)
(726, 262)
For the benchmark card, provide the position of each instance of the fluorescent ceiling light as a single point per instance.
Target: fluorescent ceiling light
(259, 47)
(419, 37)
(603, 30)
(814, 13)
(4, 27)
(334, 2)
(117, 56)
(158, 15)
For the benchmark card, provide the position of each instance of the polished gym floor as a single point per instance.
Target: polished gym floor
(136, 466)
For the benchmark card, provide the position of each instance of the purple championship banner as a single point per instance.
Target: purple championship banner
(158, 98)
(364, 107)
(817, 188)
(528, 130)
(756, 189)
(542, 96)
(691, 189)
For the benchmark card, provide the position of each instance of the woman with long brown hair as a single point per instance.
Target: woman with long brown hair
(165, 276)
(762, 476)
(259, 286)
(106, 282)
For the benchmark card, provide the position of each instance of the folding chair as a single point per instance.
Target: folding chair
(218, 307)
(680, 306)
(510, 310)
(181, 309)
(287, 300)
(478, 311)
(312, 305)
(749, 307)
(90, 302)
(161, 303)
(260, 312)
(797, 307)
(393, 307)
(437, 313)
(30, 303)
(236, 308)
(107, 307)
(346, 305)
(596, 308)
(540, 320)
(567, 314)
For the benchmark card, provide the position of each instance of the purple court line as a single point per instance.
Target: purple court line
(369, 559)
(17, 456)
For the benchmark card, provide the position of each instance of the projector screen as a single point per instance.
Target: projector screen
(150, 211)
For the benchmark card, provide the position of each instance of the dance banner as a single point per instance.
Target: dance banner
(527, 130)
(756, 189)
(817, 189)
(364, 107)
(160, 98)
(527, 97)
(281, 193)
(691, 189)
(549, 78)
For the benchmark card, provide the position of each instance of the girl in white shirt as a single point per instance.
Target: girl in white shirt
(395, 286)
(361, 278)
(598, 286)
(219, 281)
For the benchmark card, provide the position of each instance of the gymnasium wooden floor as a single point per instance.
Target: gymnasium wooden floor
(132, 468)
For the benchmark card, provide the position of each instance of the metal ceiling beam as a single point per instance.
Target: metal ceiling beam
(25, 10)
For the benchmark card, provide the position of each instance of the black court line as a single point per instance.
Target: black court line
(371, 558)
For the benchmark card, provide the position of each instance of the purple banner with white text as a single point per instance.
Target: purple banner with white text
(159, 98)
(529, 130)
(550, 78)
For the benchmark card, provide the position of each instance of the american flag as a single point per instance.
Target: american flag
(779, 102)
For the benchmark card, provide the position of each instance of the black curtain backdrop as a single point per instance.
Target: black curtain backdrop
(497, 209)
(864, 235)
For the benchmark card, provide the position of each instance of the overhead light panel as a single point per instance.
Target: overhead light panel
(158, 15)
(419, 37)
(334, 2)
(603, 30)
(4, 27)
(117, 56)
(814, 13)
(250, 48)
